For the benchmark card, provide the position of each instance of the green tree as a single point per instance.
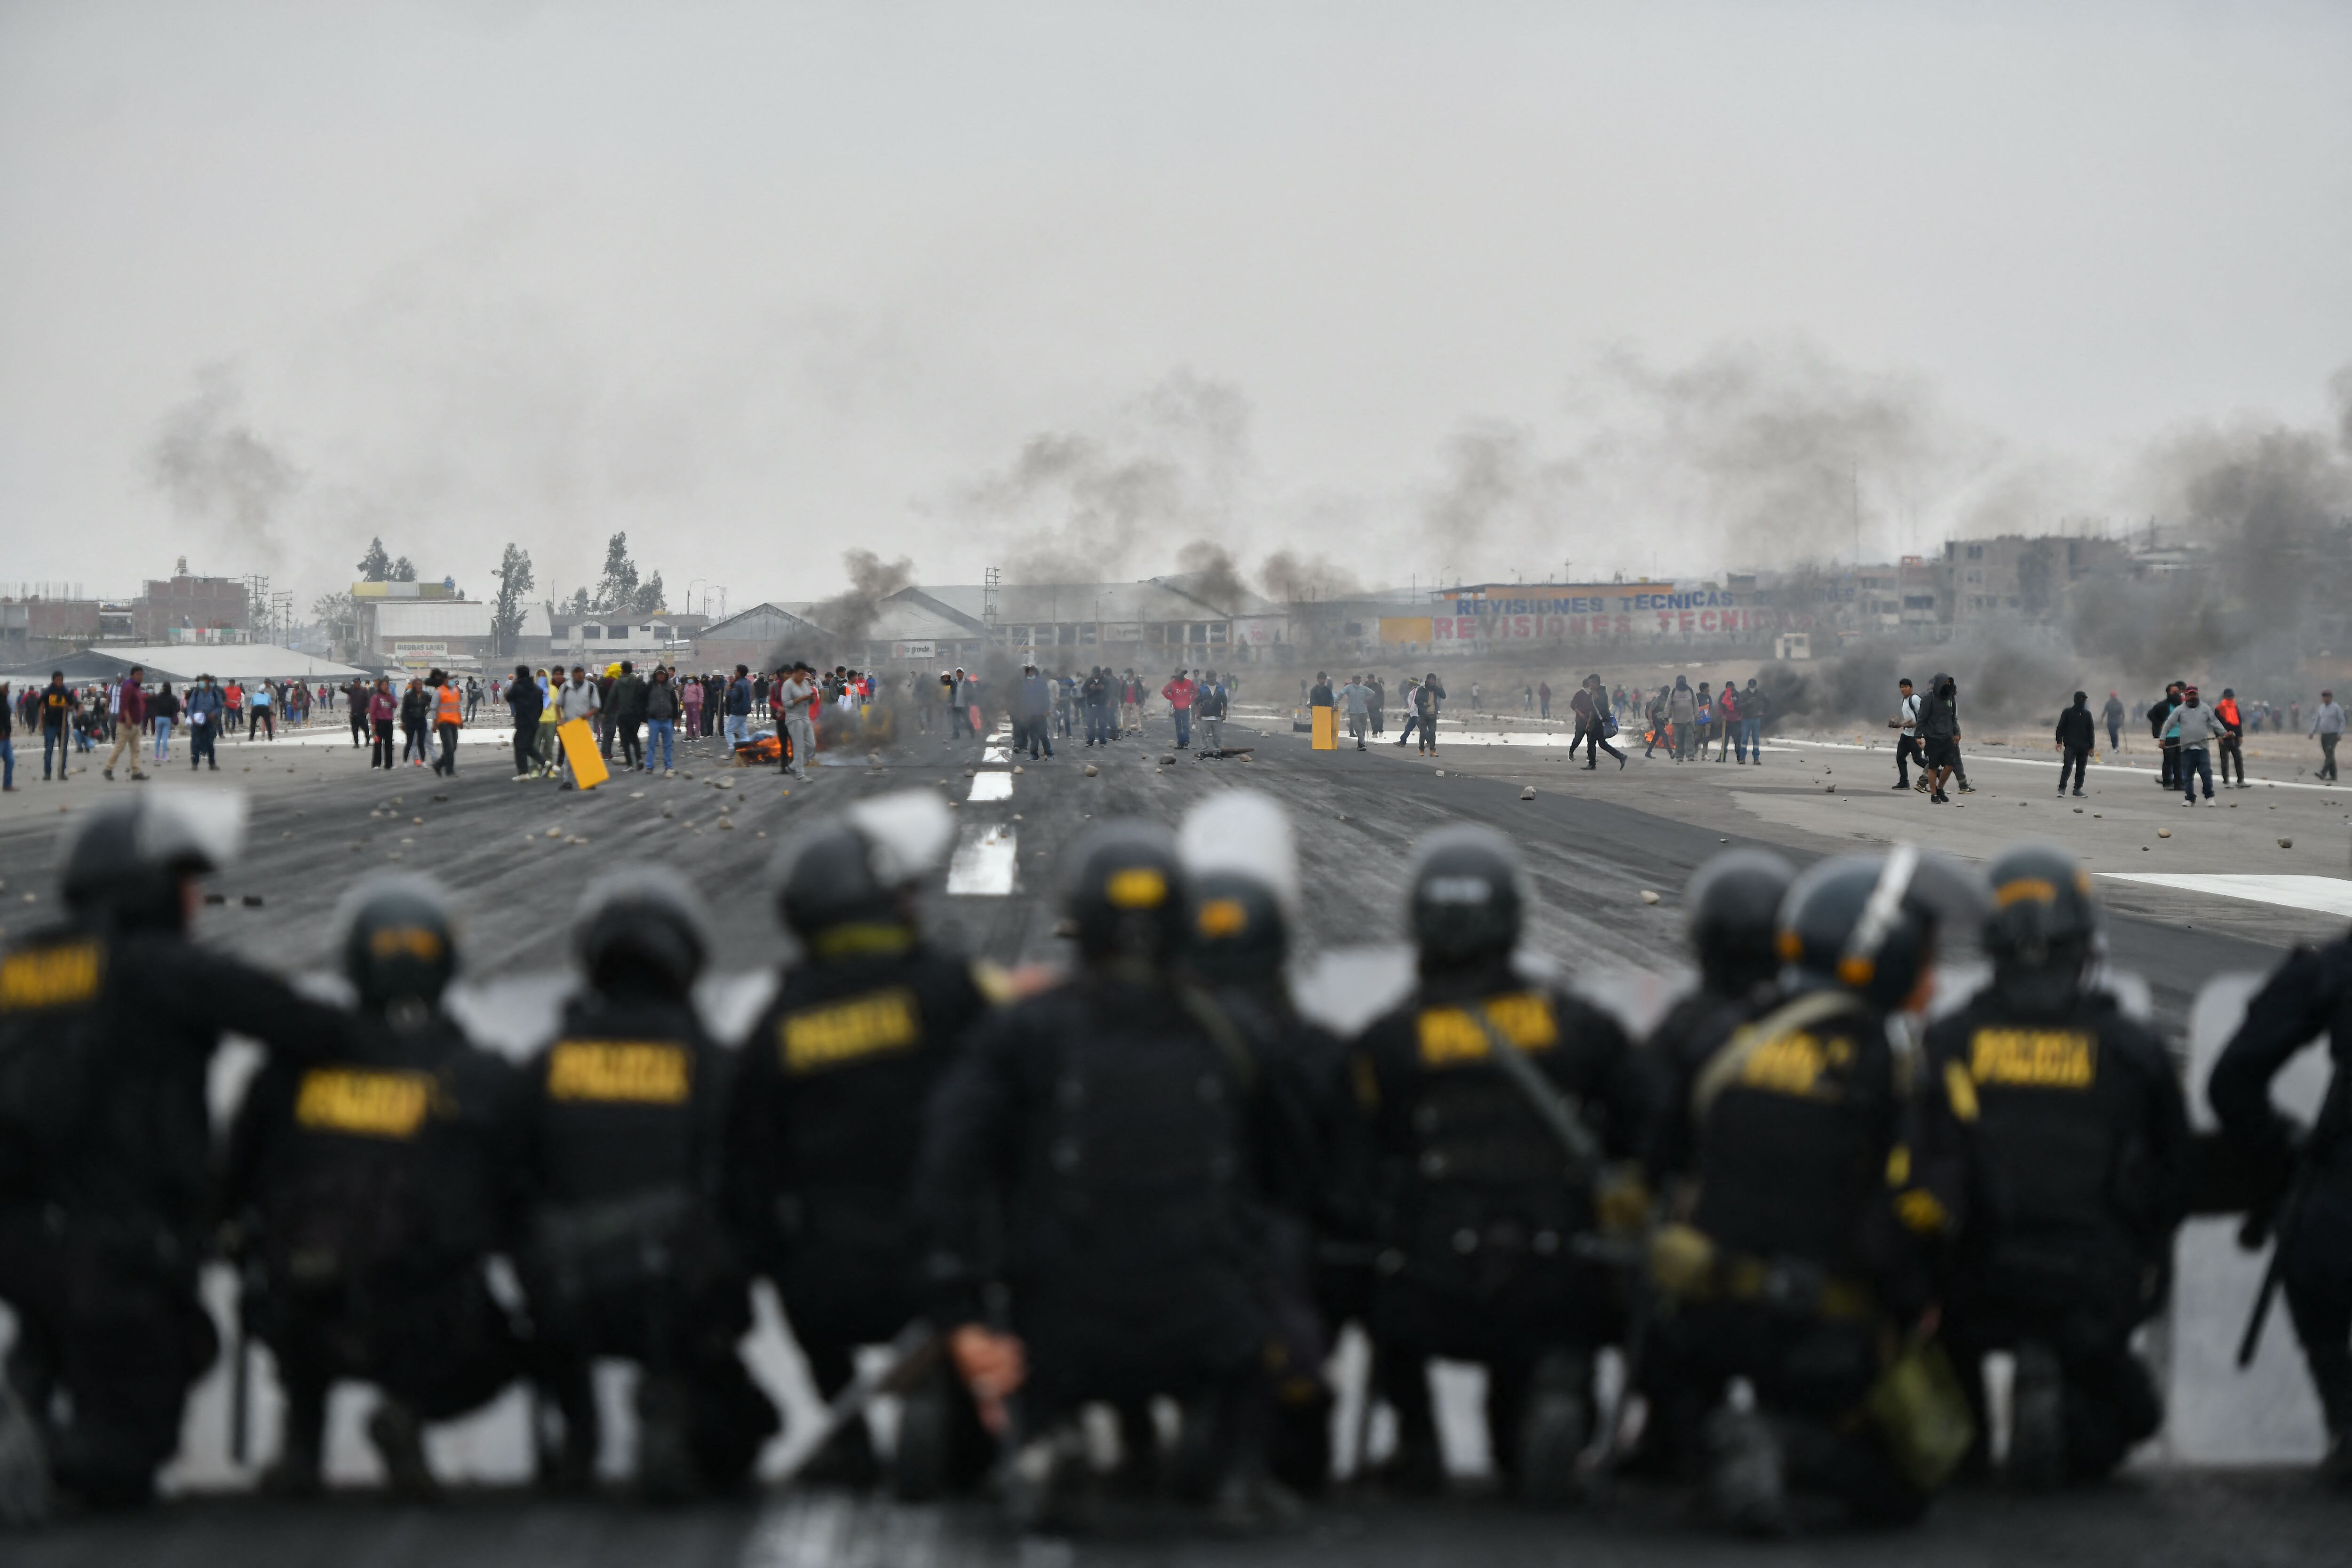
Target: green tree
(375, 567)
(515, 579)
(402, 571)
(651, 598)
(616, 590)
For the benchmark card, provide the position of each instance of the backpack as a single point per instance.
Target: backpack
(53, 1016)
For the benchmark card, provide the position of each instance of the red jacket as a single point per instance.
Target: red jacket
(1179, 693)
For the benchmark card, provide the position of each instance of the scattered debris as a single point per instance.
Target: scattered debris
(253, 900)
(1091, 769)
(2164, 833)
(1648, 897)
(1528, 792)
(555, 833)
(2287, 842)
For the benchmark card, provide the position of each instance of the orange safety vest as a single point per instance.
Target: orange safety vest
(452, 710)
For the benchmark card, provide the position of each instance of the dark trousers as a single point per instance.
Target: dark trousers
(1041, 734)
(1810, 1376)
(2111, 1401)
(56, 741)
(380, 754)
(115, 1331)
(2076, 758)
(1906, 753)
(202, 742)
(359, 727)
(2328, 755)
(1597, 742)
(526, 738)
(1183, 728)
(412, 743)
(263, 719)
(2233, 751)
(1405, 732)
(632, 752)
(2195, 763)
(2169, 764)
(1097, 725)
(446, 763)
(2316, 1279)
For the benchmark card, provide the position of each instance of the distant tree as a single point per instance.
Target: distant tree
(651, 599)
(616, 590)
(515, 579)
(580, 605)
(339, 614)
(402, 571)
(375, 567)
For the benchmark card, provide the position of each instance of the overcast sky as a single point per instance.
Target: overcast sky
(1422, 289)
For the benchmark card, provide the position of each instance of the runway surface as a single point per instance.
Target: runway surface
(519, 855)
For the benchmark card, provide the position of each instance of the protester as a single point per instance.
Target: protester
(2327, 724)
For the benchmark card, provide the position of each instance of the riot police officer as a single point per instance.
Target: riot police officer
(1241, 866)
(1122, 1125)
(1483, 1204)
(108, 1024)
(368, 1189)
(2310, 994)
(625, 1256)
(1820, 1188)
(828, 1112)
(1733, 903)
(2078, 1177)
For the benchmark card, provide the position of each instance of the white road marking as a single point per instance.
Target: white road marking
(990, 786)
(2328, 895)
(1971, 754)
(996, 754)
(986, 860)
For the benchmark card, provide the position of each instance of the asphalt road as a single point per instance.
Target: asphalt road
(517, 857)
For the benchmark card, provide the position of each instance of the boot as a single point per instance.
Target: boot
(27, 1496)
(665, 1472)
(1747, 1483)
(1044, 1484)
(297, 1471)
(1553, 1430)
(398, 1439)
(2037, 1420)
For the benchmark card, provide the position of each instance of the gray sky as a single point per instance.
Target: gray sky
(1447, 287)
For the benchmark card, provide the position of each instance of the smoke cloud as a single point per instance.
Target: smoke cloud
(1088, 506)
(215, 468)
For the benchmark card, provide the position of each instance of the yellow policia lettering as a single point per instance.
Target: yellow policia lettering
(1790, 1065)
(50, 976)
(371, 1104)
(635, 1072)
(826, 1037)
(1450, 1035)
(2033, 1058)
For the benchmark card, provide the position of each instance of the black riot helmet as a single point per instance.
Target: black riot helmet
(1242, 868)
(399, 943)
(1859, 923)
(1238, 934)
(2044, 926)
(845, 883)
(642, 929)
(123, 862)
(1124, 893)
(1468, 901)
(1733, 904)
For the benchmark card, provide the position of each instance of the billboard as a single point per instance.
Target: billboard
(1597, 610)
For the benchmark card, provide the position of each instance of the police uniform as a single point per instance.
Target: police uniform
(2078, 1169)
(625, 1256)
(372, 1187)
(1479, 1206)
(1122, 1127)
(108, 1026)
(2308, 994)
(827, 1114)
(1820, 1185)
(1241, 866)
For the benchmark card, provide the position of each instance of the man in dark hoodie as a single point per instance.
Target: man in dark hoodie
(2160, 714)
(1940, 731)
(524, 697)
(2077, 732)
